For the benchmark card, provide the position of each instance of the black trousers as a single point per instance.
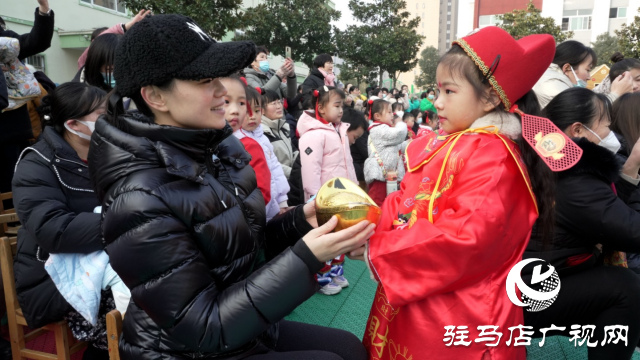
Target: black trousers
(601, 296)
(298, 341)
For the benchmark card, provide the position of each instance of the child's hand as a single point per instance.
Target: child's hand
(310, 213)
(357, 254)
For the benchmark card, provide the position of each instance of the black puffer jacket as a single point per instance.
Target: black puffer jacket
(185, 234)
(54, 200)
(314, 81)
(588, 212)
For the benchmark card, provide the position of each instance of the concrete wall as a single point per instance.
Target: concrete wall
(600, 19)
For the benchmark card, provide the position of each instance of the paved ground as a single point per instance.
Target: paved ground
(349, 311)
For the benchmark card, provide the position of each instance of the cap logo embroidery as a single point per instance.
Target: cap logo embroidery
(199, 31)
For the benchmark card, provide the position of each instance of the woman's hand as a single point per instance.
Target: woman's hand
(310, 213)
(286, 69)
(44, 6)
(622, 84)
(326, 245)
(632, 165)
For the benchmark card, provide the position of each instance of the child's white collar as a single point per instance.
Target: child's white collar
(507, 123)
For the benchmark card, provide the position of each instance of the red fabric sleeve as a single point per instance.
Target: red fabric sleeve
(259, 165)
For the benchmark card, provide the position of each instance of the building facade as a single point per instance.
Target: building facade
(75, 20)
(586, 18)
(430, 13)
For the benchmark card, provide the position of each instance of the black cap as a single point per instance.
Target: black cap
(164, 47)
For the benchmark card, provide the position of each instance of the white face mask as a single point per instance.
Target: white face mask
(90, 124)
(610, 142)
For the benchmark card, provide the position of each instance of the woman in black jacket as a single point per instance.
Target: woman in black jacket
(597, 214)
(316, 79)
(184, 221)
(55, 202)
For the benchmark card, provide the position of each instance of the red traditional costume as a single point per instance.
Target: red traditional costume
(461, 220)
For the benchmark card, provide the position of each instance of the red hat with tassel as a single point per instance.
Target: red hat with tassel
(512, 67)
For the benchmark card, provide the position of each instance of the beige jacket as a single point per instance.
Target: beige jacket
(552, 83)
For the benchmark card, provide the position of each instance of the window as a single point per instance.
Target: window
(486, 20)
(576, 20)
(417, 6)
(37, 61)
(448, 22)
(109, 4)
(423, 24)
(617, 12)
(423, 5)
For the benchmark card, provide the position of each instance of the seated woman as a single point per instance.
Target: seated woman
(588, 212)
(571, 67)
(184, 221)
(55, 202)
(278, 130)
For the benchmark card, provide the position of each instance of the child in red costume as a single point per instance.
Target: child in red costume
(465, 209)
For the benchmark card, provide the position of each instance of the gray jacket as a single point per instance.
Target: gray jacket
(271, 82)
(279, 134)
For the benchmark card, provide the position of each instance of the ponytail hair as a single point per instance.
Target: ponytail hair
(72, 100)
(376, 107)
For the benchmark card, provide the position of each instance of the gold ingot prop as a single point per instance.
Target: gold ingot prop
(346, 200)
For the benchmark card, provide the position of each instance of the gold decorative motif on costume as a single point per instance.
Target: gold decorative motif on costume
(485, 70)
(378, 341)
(550, 145)
(383, 306)
(398, 352)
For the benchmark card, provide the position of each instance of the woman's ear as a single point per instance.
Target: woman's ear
(154, 98)
(575, 130)
(566, 68)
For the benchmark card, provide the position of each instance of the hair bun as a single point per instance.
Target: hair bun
(617, 56)
(45, 108)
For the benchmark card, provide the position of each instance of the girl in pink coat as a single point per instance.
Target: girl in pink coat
(325, 154)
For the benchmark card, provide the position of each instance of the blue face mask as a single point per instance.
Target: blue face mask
(106, 77)
(581, 83)
(419, 121)
(264, 66)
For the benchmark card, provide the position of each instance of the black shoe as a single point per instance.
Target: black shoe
(5, 349)
(93, 353)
